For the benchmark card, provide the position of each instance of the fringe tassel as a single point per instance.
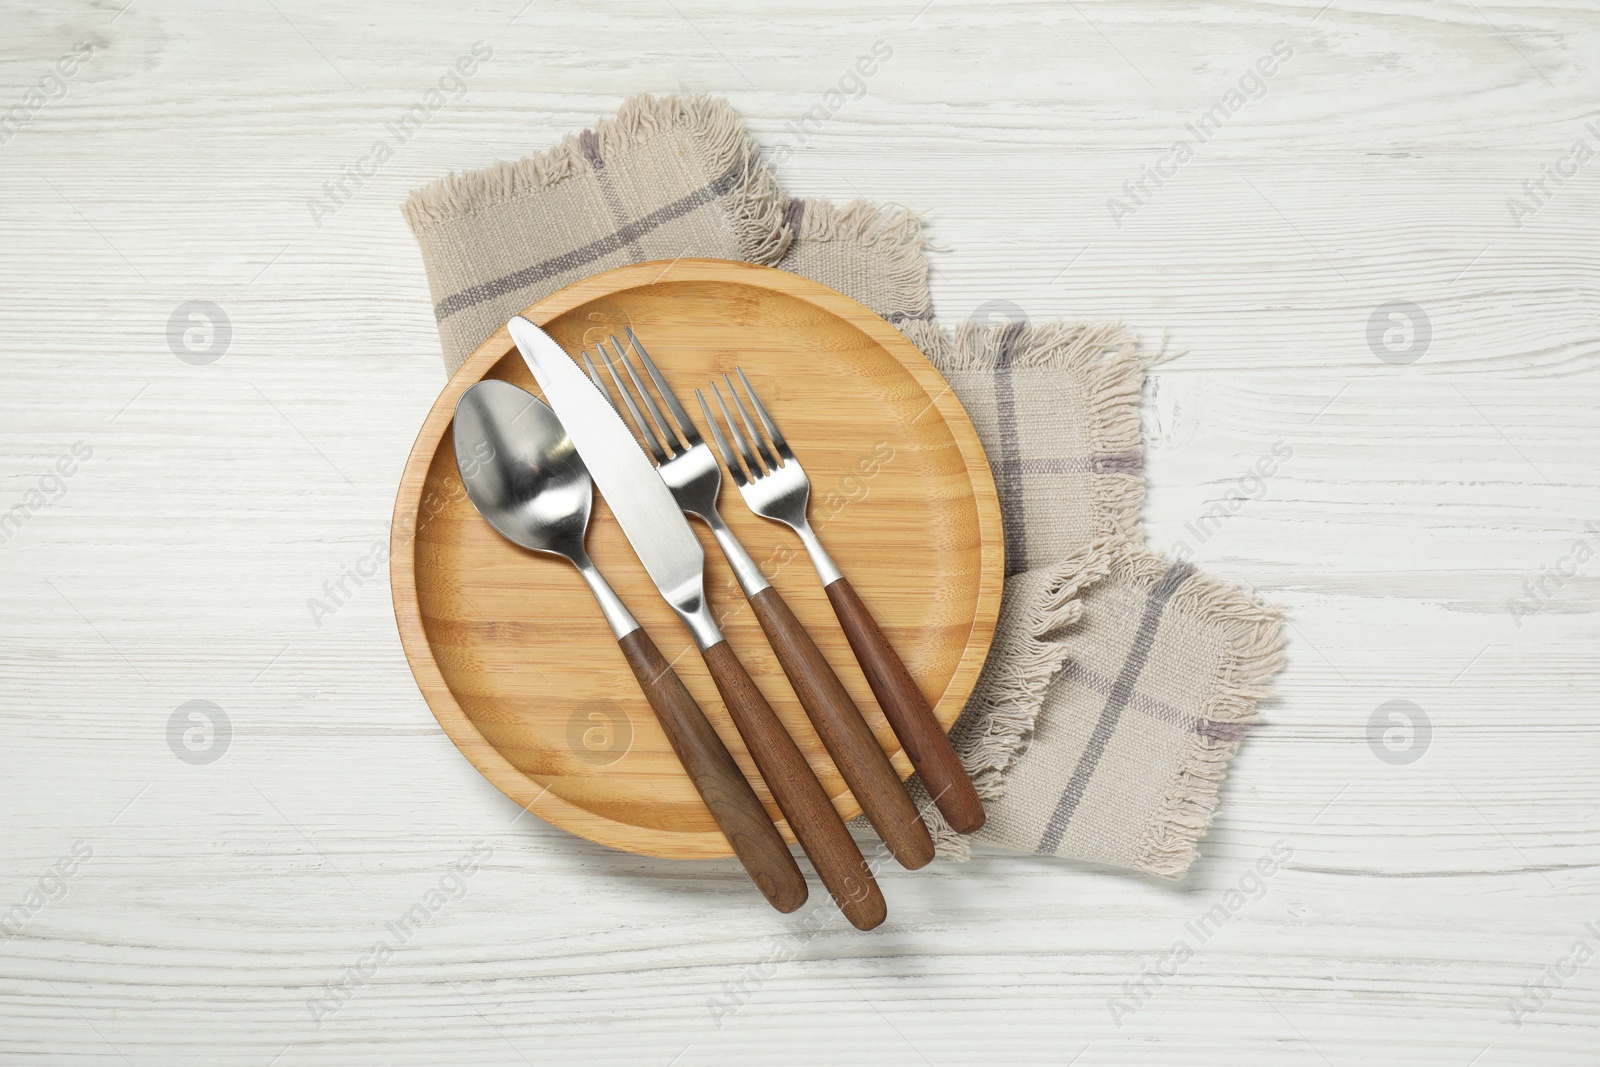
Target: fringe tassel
(888, 229)
(712, 126)
(1115, 384)
(892, 231)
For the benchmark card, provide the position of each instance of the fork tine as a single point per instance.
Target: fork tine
(738, 438)
(761, 410)
(728, 457)
(761, 445)
(668, 438)
(686, 425)
(633, 409)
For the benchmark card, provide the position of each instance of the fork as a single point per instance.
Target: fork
(777, 488)
(686, 464)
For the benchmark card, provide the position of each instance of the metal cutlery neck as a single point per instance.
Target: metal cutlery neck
(745, 569)
(689, 601)
(618, 617)
(827, 570)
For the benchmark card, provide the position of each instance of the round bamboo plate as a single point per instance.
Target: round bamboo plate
(510, 650)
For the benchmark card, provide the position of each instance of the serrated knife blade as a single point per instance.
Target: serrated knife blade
(637, 496)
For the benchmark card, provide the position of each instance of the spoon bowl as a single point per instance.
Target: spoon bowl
(521, 469)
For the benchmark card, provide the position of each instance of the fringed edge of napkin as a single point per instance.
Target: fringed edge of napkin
(712, 126)
(999, 717)
(1003, 711)
(890, 231)
(1252, 630)
(1106, 355)
(1004, 706)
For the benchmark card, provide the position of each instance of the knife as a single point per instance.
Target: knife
(672, 556)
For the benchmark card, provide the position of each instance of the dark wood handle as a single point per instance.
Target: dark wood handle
(757, 843)
(908, 712)
(810, 813)
(867, 771)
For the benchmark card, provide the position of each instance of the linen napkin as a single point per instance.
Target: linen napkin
(1119, 683)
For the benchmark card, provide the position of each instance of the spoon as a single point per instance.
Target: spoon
(525, 477)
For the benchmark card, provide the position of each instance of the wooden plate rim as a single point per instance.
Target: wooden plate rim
(529, 792)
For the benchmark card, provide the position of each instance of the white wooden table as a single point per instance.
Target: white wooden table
(1437, 876)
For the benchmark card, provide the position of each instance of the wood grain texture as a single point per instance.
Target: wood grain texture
(520, 666)
(907, 710)
(717, 778)
(794, 786)
(844, 732)
(1421, 899)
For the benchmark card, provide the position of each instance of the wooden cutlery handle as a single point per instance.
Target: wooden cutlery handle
(810, 813)
(907, 711)
(734, 805)
(867, 771)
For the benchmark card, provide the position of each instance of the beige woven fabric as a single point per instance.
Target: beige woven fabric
(668, 177)
(873, 253)
(1118, 683)
(1152, 671)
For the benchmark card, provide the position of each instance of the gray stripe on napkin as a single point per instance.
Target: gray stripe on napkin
(1121, 692)
(625, 235)
(1008, 468)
